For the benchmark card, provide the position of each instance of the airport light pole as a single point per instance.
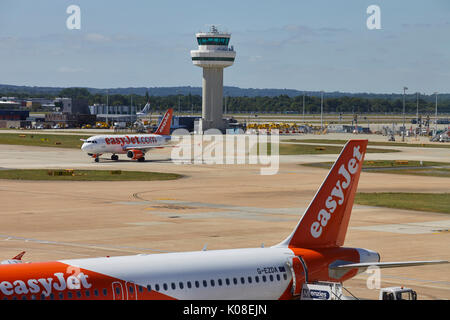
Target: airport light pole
(107, 103)
(304, 107)
(321, 109)
(404, 124)
(435, 115)
(417, 111)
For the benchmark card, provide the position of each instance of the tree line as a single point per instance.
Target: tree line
(264, 104)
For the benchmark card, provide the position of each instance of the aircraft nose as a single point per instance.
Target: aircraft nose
(84, 146)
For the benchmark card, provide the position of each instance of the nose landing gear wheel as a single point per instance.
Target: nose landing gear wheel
(141, 159)
(115, 157)
(97, 159)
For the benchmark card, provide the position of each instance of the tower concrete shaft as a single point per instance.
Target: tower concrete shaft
(213, 55)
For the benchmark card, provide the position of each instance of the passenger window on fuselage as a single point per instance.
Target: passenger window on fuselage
(205, 283)
(69, 295)
(197, 284)
(157, 287)
(181, 285)
(271, 277)
(242, 280)
(235, 281)
(189, 285)
(256, 279)
(105, 292)
(278, 277)
(212, 283)
(249, 279)
(284, 276)
(165, 286)
(219, 282)
(173, 286)
(227, 281)
(149, 288)
(264, 278)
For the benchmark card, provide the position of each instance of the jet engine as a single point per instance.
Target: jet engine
(135, 154)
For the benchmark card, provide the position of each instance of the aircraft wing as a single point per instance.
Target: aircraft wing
(386, 264)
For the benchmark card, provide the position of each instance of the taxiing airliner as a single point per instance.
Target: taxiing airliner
(314, 251)
(134, 146)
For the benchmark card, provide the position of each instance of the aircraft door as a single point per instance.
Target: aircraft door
(131, 291)
(299, 273)
(117, 289)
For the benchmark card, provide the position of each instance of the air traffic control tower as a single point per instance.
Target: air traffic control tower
(213, 55)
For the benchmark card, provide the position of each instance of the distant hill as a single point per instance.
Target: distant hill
(228, 91)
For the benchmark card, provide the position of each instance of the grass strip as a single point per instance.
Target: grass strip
(430, 202)
(85, 175)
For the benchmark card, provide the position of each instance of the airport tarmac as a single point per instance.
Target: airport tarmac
(222, 206)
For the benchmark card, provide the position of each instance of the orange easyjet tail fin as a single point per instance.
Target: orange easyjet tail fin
(325, 222)
(164, 125)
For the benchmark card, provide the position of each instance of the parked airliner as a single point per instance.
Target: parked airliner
(134, 146)
(314, 251)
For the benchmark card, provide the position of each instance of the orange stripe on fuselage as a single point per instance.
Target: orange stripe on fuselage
(56, 280)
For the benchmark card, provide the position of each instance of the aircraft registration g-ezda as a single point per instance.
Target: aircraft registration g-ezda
(314, 251)
(134, 146)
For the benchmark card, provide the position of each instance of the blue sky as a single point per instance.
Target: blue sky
(294, 44)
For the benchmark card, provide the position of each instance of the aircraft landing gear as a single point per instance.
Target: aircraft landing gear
(115, 157)
(97, 159)
(142, 159)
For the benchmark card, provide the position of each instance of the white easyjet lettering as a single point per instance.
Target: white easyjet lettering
(337, 192)
(62, 282)
(20, 287)
(6, 287)
(33, 284)
(47, 284)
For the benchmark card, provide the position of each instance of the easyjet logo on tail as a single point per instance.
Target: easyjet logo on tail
(164, 121)
(337, 196)
(164, 126)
